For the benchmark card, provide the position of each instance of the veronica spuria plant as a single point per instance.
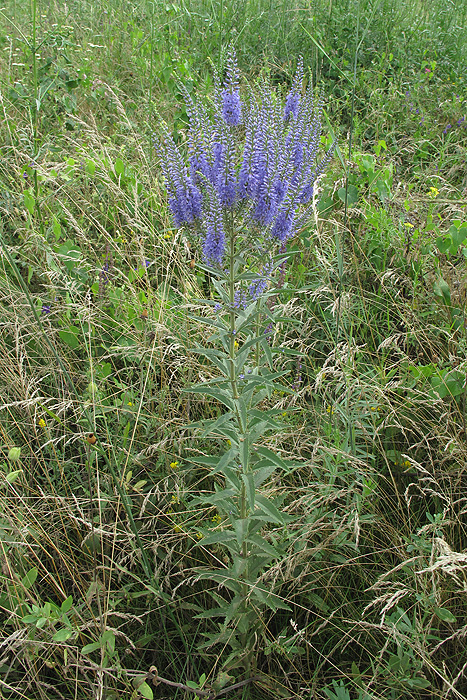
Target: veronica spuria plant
(244, 188)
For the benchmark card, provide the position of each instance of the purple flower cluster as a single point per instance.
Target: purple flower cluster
(255, 159)
(460, 122)
(413, 109)
(104, 276)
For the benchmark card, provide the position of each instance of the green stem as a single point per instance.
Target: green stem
(242, 430)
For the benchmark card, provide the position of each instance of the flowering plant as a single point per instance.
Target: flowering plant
(254, 162)
(244, 188)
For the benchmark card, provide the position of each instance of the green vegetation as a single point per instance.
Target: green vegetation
(106, 492)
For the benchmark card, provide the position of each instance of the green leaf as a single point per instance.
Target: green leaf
(383, 189)
(241, 529)
(143, 688)
(29, 619)
(226, 459)
(226, 580)
(70, 337)
(445, 615)
(30, 577)
(270, 600)
(274, 458)
(274, 515)
(267, 351)
(220, 394)
(216, 497)
(119, 167)
(88, 648)
(241, 408)
(222, 680)
(264, 546)
(12, 476)
(224, 536)
(459, 235)
(213, 426)
(56, 228)
(108, 638)
(443, 243)
(29, 201)
(90, 167)
(62, 635)
(262, 473)
(352, 195)
(442, 292)
(250, 487)
(66, 605)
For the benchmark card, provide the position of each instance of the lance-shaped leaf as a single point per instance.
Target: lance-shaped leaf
(220, 394)
(271, 600)
(212, 426)
(216, 537)
(264, 546)
(269, 509)
(223, 579)
(241, 530)
(274, 458)
(250, 488)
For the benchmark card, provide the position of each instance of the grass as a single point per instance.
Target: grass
(98, 293)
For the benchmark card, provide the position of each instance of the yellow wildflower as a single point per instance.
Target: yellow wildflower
(407, 224)
(330, 410)
(216, 519)
(177, 528)
(174, 465)
(199, 535)
(42, 423)
(433, 192)
(236, 345)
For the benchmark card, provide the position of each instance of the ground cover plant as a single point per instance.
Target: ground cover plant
(340, 571)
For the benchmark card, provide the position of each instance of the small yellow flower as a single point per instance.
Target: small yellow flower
(167, 236)
(174, 465)
(236, 345)
(175, 499)
(229, 443)
(177, 528)
(407, 224)
(330, 410)
(129, 403)
(199, 535)
(216, 519)
(433, 192)
(42, 423)
(284, 414)
(406, 463)
(373, 408)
